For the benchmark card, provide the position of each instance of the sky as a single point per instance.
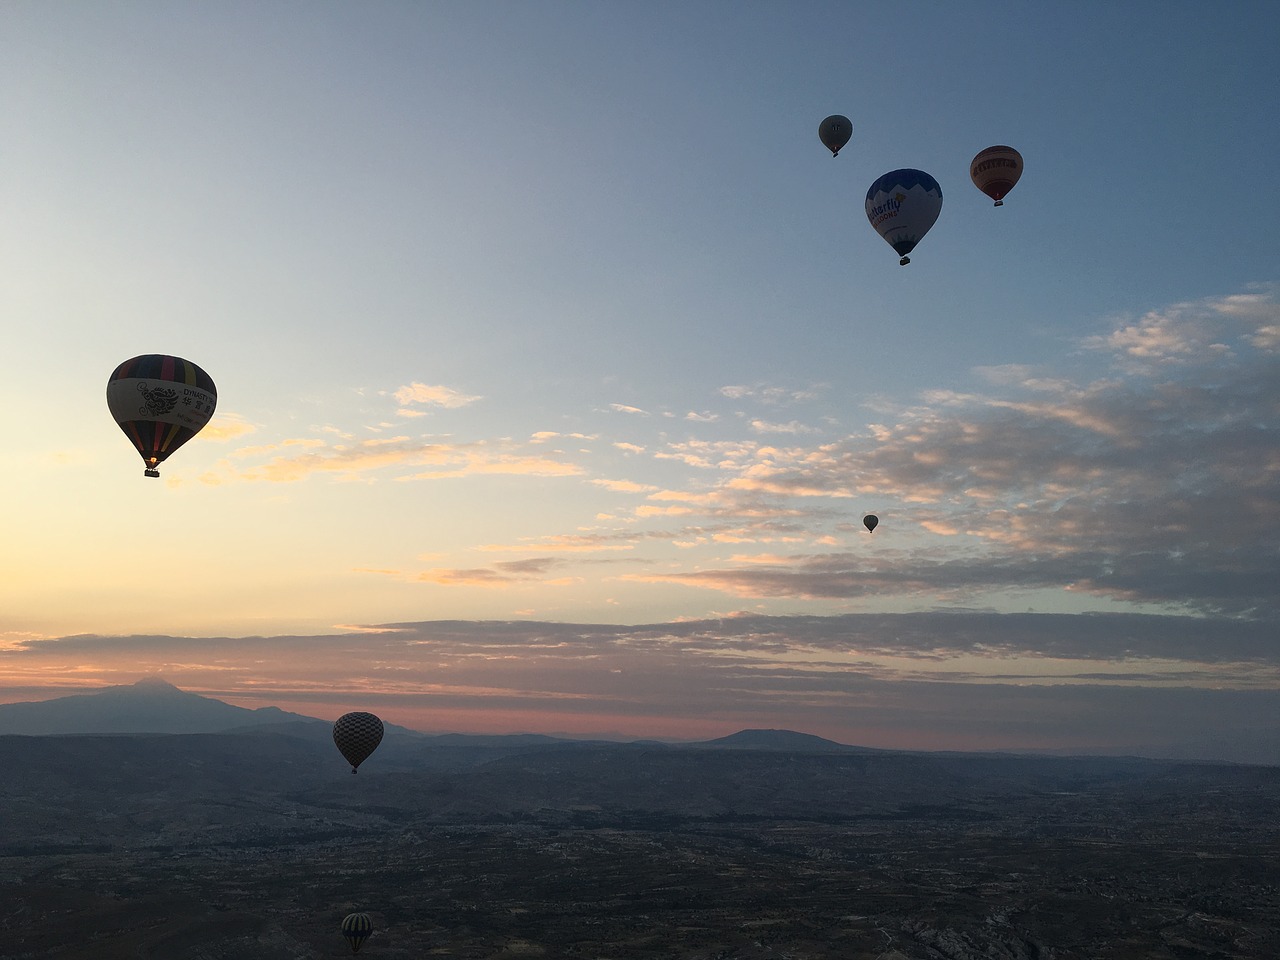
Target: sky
(558, 366)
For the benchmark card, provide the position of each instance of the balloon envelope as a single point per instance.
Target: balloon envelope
(834, 132)
(902, 206)
(357, 735)
(995, 170)
(870, 521)
(356, 927)
(160, 402)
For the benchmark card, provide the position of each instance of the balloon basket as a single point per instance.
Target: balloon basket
(150, 473)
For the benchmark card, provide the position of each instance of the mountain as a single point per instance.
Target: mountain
(784, 740)
(154, 706)
(148, 706)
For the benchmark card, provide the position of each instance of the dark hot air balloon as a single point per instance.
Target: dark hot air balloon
(160, 403)
(995, 170)
(902, 206)
(870, 521)
(834, 132)
(357, 735)
(356, 927)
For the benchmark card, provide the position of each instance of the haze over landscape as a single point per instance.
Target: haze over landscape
(184, 828)
(557, 368)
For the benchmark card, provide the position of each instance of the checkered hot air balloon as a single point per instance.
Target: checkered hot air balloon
(357, 735)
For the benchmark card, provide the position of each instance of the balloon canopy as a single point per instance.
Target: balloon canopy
(870, 521)
(995, 170)
(357, 735)
(356, 927)
(902, 206)
(160, 402)
(834, 132)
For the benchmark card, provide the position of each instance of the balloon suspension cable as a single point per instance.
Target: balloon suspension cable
(904, 261)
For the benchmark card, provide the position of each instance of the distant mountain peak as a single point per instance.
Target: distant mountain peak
(777, 740)
(149, 705)
(155, 682)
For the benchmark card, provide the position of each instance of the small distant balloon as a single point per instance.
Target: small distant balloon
(357, 735)
(356, 927)
(902, 206)
(834, 132)
(995, 170)
(870, 521)
(160, 402)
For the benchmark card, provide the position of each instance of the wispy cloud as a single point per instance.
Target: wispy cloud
(791, 426)
(1159, 485)
(432, 396)
(770, 394)
(225, 427)
(401, 458)
(498, 575)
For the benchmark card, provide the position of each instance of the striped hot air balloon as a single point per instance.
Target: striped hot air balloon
(995, 170)
(160, 402)
(356, 927)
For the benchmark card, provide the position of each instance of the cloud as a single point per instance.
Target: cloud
(792, 426)
(403, 457)
(1041, 642)
(1157, 486)
(435, 396)
(771, 395)
(225, 427)
(624, 486)
(499, 575)
(1199, 332)
(624, 408)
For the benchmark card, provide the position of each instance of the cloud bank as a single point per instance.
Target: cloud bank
(1153, 482)
(957, 679)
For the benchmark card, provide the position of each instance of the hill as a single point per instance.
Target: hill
(784, 740)
(148, 706)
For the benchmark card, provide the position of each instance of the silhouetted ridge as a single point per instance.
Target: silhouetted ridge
(151, 705)
(788, 740)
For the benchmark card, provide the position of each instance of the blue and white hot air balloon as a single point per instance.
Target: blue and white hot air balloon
(902, 206)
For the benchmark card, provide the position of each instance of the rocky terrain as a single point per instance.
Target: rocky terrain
(257, 843)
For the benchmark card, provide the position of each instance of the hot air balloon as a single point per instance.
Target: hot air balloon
(834, 132)
(160, 403)
(995, 170)
(356, 927)
(902, 206)
(870, 521)
(357, 735)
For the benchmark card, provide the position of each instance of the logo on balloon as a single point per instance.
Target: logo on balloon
(887, 210)
(157, 401)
